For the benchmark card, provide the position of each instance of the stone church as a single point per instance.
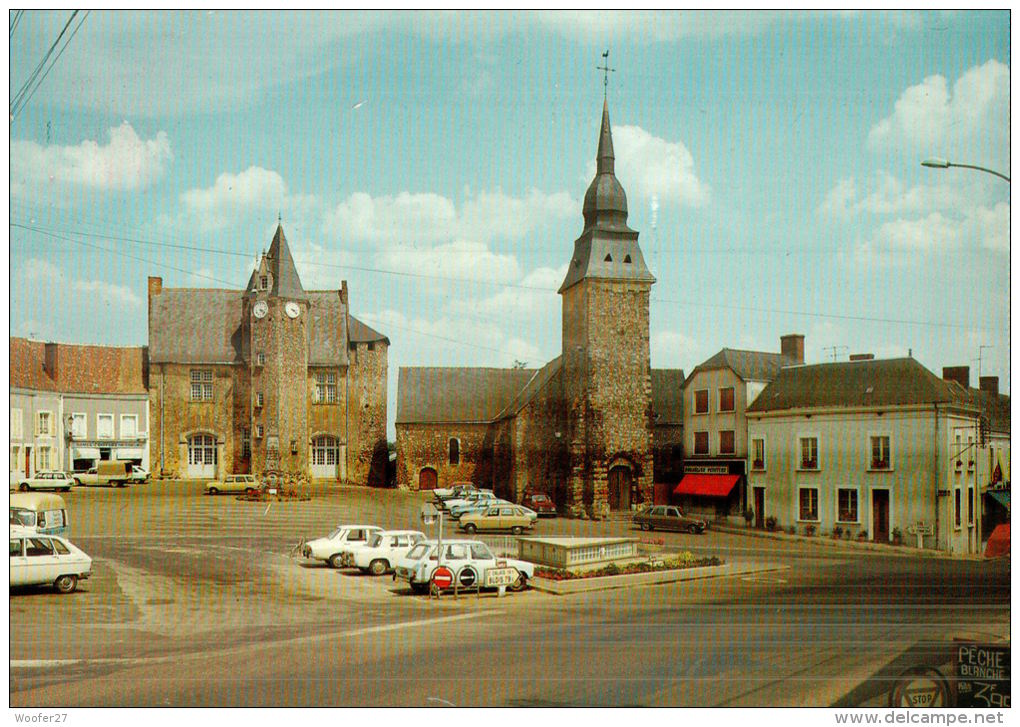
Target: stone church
(596, 426)
(270, 379)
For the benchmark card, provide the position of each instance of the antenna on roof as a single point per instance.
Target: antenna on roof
(835, 351)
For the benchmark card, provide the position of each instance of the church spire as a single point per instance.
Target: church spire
(605, 202)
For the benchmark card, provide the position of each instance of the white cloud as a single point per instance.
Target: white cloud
(126, 162)
(969, 123)
(45, 278)
(458, 260)
(534, 298)
(494, 214)
(233, 198)
(648, 167)
(672, 349)
(407, 218)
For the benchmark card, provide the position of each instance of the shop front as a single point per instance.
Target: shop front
(714, 491)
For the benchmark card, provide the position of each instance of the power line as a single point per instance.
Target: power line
(38, 75)
(448, 279)
(15, 20)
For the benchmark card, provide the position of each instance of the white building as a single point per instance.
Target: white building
(72, 406)
(879, 450)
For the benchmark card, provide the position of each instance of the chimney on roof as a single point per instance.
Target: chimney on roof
(959, 374)
(792, 347)
(50, 360)
(155, 286)
(862, 357)
(990, 385)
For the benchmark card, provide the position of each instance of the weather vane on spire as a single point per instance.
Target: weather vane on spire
(607, 70)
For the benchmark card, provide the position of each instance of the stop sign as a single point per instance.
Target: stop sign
(442, 577)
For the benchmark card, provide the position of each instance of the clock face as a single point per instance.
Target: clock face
(260, 309)
(293, 309)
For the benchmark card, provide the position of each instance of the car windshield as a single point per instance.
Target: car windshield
(21, 516)
(333, 534)
(539, 498)
(418, 551)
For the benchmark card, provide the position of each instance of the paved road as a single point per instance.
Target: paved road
(196, 602)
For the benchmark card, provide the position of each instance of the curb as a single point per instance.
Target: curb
(902, 551)
(607, 583)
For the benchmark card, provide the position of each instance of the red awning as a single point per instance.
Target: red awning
(707, 485)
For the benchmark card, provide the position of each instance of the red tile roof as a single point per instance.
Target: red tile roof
(73, 368)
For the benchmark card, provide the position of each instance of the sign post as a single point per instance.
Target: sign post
(983, 675)
(920, 529)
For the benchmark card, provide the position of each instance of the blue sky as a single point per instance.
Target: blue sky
(437, 162)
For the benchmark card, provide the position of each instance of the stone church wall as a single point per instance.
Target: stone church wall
(428, 445)
(368, 456)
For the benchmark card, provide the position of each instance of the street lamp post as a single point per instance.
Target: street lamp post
(943, 164)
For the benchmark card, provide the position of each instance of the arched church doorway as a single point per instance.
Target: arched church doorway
(427, 479)
(621, 482)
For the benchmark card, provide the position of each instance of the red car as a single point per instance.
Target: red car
(540, 502)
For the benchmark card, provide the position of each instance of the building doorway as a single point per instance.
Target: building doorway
(427, 479)
(325, 458)
(621, 480)
(880, 516)
(202, 456)
(759, 508)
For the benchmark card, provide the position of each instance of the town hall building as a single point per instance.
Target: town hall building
(587, 427)
(272, 379)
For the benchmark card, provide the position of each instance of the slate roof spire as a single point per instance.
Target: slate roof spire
(286, 283)
(605, 202)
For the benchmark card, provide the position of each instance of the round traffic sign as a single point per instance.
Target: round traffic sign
(442, 577)
(468, 576)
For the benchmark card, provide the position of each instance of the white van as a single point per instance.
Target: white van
(40, 512)
(46, 559)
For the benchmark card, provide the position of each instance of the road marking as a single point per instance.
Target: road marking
(49, 663)
(764, 579)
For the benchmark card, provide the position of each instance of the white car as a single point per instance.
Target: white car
(139, 475)
(383, 549)
(331, 548)
(469, 499)
(47, 480)
(469, 560)
(46, 559)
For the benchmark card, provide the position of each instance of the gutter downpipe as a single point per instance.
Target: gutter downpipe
(938, 470)
(162, 459)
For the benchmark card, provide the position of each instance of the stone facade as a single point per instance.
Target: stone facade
(581, 428)
(272, 380)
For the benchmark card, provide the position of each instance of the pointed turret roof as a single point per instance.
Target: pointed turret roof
(607, 248)
(286, 283)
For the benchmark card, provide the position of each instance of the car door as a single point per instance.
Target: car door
(42, 563)
(19, 563)
(672, 520)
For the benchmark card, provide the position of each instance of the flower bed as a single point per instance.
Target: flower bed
(672, 562)
(280, 496)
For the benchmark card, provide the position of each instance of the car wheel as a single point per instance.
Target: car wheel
(66, 489)
(336, 561)
(378, 566)
(213, 491)
(470, 528)
(77, 482)
(419, 588)
(520, 584)
(516, 530)
(646, 526)
(693, 529)
(23, 487)
(66, 584)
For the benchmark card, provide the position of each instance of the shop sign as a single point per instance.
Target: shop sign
(982, 675)
(706, 469)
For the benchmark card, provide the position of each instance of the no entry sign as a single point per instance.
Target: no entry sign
(443, 577)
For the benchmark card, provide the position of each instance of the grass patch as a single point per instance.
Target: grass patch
(671, 562)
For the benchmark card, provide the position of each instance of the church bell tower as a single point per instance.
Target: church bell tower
(606, 362)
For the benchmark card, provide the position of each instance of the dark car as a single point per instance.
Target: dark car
(540, 503)
(668, 517)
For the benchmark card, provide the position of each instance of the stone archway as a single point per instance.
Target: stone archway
(428, 479)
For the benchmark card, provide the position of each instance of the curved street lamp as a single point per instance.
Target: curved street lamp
(943, 164)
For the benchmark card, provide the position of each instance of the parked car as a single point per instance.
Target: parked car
(458, 489)
(39, 512)
(540, 503)
(383, 549)
(668, 517)
(47, 480)
(510, 517)
(107, 472)
(139, 475)
(469, 560)
(475, 504)
(469, 498)
(331, 548)
(38, 559)
(233, 483)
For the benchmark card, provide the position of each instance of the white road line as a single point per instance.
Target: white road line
(50, 663)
